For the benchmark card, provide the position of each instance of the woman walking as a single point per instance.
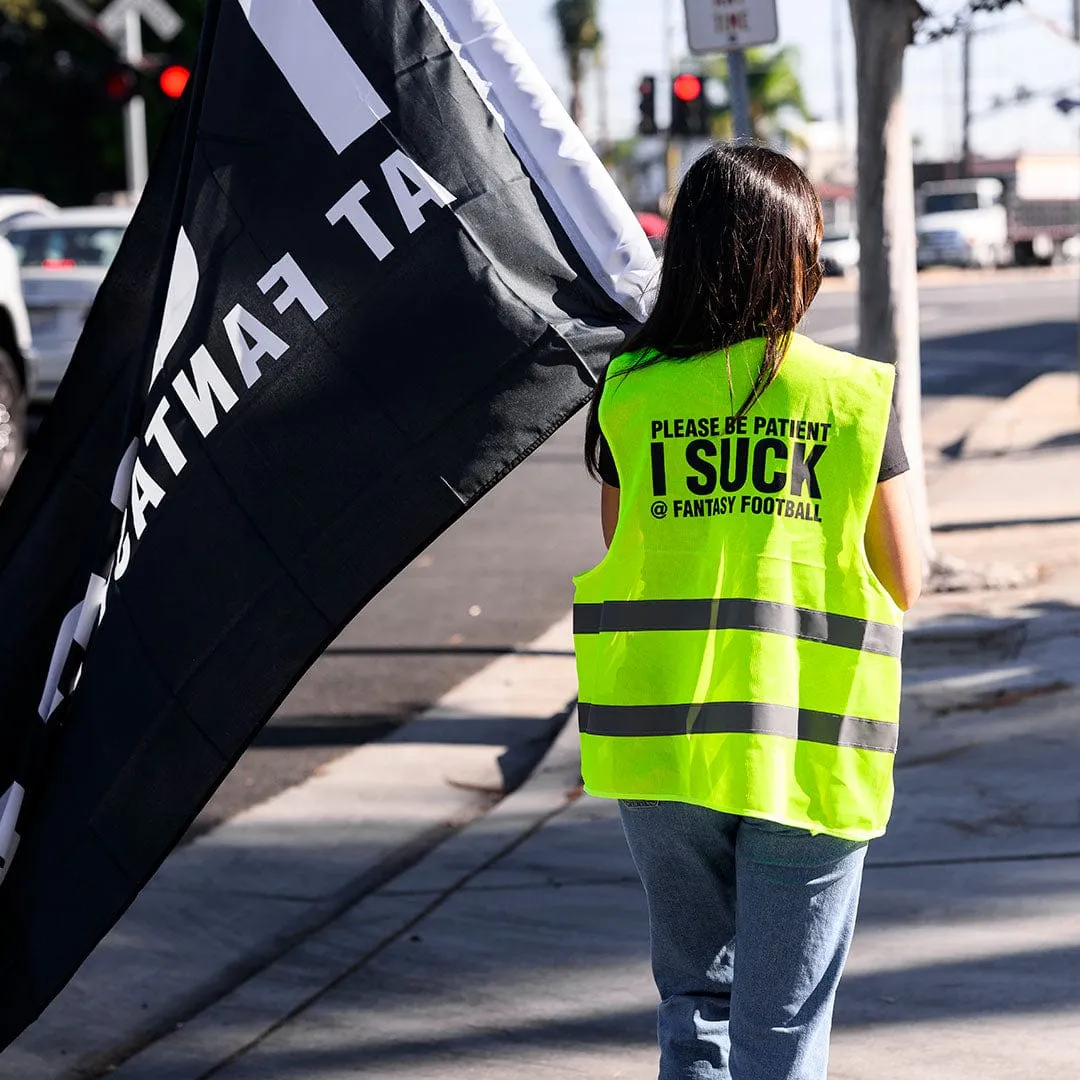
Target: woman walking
(739, 645)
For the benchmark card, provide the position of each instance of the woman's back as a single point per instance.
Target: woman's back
(735, 648)
(739, 647)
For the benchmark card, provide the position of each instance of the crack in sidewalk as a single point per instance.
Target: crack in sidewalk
(391, 939)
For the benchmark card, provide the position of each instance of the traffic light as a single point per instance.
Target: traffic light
(173, 80)
(689, 110)
(647, 106)
(154, 75)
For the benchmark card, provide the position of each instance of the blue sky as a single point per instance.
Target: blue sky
(1013, 48)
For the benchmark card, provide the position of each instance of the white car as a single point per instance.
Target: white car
(840, 252)
(18, 205)
(63, 259)
(14, 365)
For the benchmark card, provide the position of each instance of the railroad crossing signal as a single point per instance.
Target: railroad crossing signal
(157, 14)
(121, 22)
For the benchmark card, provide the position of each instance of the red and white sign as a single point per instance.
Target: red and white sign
(714, 26)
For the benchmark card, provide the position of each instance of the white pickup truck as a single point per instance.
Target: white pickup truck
(14, 369)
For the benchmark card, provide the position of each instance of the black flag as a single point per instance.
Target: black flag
(374, 268)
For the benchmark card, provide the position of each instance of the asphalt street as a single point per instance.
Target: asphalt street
(987, 338)
(501, 576)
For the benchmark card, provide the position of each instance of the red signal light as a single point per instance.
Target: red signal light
(119, 86)
(686, 87)
(173, 80)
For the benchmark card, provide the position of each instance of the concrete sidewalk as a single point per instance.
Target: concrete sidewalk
(239, 897)
(518, 949)
(518, 945)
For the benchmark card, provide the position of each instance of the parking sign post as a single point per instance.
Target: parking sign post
(731, 26)
(739, 89)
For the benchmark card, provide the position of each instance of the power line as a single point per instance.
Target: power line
(1022, 95)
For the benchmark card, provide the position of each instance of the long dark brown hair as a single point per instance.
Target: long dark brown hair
(740, 261)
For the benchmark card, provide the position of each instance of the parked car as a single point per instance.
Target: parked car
(63, 260)
(840, 251)
(18, 205)
(14, 369)
(655, 228)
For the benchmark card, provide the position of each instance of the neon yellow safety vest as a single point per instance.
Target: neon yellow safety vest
(734, 648)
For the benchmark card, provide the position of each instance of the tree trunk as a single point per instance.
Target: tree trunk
(577, 74)
(888, 283)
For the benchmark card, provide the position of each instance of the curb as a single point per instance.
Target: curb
(943, 277)
(969, 632)
(229, 1027)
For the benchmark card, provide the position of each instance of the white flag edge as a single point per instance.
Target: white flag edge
(581, 192)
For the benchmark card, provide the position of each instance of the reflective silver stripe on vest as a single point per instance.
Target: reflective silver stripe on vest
(737, 717)
(622, 616)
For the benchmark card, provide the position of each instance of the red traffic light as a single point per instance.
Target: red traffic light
(120, 85)
(686, 87)
(173, 80)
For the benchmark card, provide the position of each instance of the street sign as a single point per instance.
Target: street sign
(161, 18)
(714, 26)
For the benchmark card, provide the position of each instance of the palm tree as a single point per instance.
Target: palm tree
(579, 36)
(776, 96)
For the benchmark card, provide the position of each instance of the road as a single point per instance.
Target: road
(988, 338)
(501, 576)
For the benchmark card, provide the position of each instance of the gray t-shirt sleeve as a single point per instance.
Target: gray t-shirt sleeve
(894, 457)
(606, 466)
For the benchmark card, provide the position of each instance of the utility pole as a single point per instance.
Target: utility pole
(965, 142)
(135, 109)
(838, 72)
(1076, 19)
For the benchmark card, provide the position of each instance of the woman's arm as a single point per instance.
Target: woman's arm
(892, 544)
(609, 511)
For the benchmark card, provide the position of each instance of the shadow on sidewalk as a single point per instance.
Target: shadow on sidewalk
(558, 1049)
(537, 964)
(997, 362)
(1034, 980)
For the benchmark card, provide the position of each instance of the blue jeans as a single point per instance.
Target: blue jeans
(779, 901)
